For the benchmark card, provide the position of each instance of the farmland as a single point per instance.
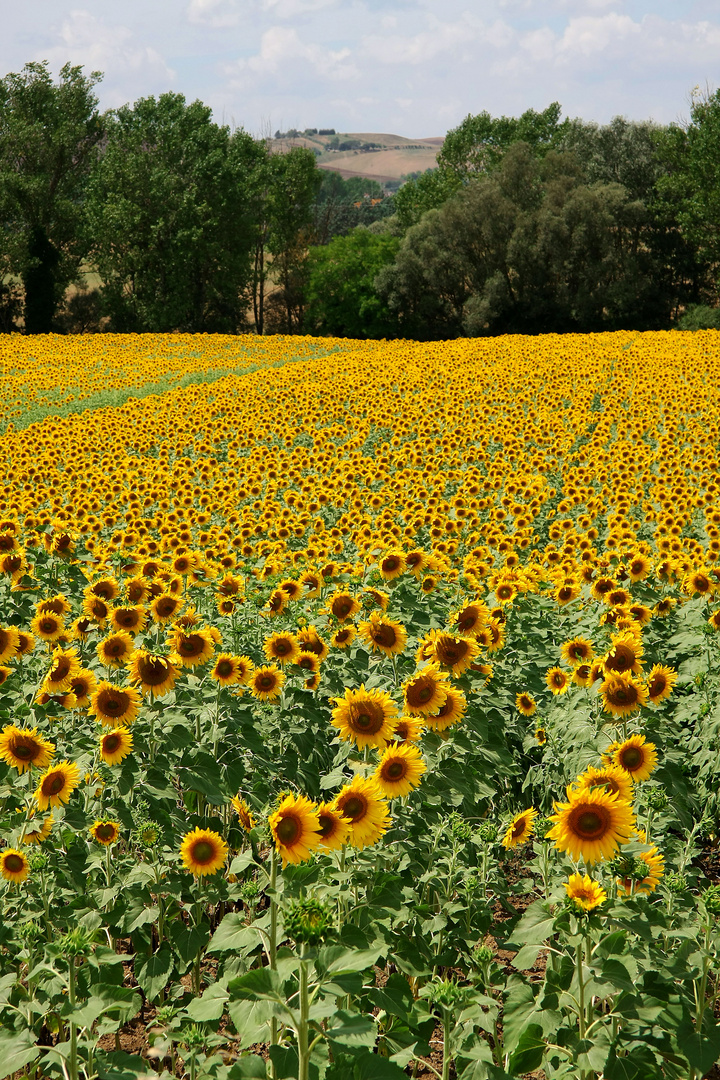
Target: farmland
(359, 707)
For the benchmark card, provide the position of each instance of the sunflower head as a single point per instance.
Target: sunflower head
(105, 832)
(425, 691)
(295, 827)
(203, 852)
(592, 824)
(365, 717)
(636, 757)
(520, 828)
(400, 770)
(23, 748)
(584, 893)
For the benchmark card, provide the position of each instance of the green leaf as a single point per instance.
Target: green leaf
(529, 1051)
(118, 1065)
(210, 1006)
(248, 1067)
(335, 960)
(251, 1020)
(122, 1002)
(17, 1048)
(519, 1008)
(154, 973)
(352, 1029)
(369, 1066)
(234, 934)
(534, 928)
(702, 1049)
(638, 1065)
(261, 982)
(189, 940)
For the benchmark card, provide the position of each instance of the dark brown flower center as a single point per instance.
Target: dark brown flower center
(395, 770)
(14, 864)
(354, 807)
(288, 830)
(631, 758)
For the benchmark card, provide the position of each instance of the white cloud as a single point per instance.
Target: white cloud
(283, 52)
(425, 46)
(115, 50)
(290, 9)
(215, 13)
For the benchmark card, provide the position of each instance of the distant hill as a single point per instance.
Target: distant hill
(380, 157)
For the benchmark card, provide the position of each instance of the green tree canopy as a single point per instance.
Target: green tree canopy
(171, 219)
(49, 133)
(342, 300)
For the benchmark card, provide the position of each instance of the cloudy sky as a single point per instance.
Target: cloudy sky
(410, 67)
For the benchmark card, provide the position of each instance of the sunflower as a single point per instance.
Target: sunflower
(399, 770)
(22, 748)
(48, 627)
(623, 695)
(83, 685)
(557, 680)
(14, 866)
(635, 757)
(469, 619)
(450, 712)
(525, 704)
(26, 643)
(137, 590)
(115, 745)
(386, 635)
(276, 603)
(115, 650)
(408, 729)
(660, 683)
(664, 607)
(65, 665)
(132, 618)
(656, 867)
(57, 784)
(497, 635)
(392, 565)
(113, 704)
(540, 736)
(165, 607)
(154, 675)
(245, 668)
(38, 832)
(365, 717)
(455, 653)
(311, 583)
(520, 828)
(266, 683)
(343, 637)
(284, 648)
(425, 691)
(365, 809)
(582, 674)
(310, 641)
(106, 588)
(105, 832)
(610, 778)
(584, 892)
(56, 605)
(428, 583)
(417, 562)
(576, 651)
(714, 620)
(245, 817)
(334, 829)
(96, 609)
(342, 605)
(191, 649)
(203, 852)
(9, 642)
(602, 587)
(308, 661)
(226, 670)
(295, 827)
(591, 824)
(698, 584)
(624, 656)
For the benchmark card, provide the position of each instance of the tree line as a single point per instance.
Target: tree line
(153, 218)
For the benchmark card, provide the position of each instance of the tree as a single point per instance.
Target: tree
(342, 300)
(49, 134)
(170, 214)
(479, 143)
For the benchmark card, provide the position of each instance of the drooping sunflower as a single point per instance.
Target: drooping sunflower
(83, 685)
(48, 627)
(165, 607)
(276, 603)
(592, 824)
(581, 676)
(623, 695)
(310, 641)
(311, 584)
(96, 609)
(105, 831)
(64, 666)
(266, 682)
(154, 675)
(57, 784)
(660, 683)
(115, 745)
(576, 651)
(408, 729)
(116, 649)
(541, 736)
(115, 705)
(283, 648)
(26, 643)
(656, 868)
(450, 712)
(625, 655)
(635, 757)
(342, 605)
(425, 691)
(14, 866)
(245, 817)
(496, 633)
(365, 809)
(584, 892)
(131, 618)
(557, 680)
(454, 653)
(9, 642)
(520, 828)
(38, 831)
(226, 670)
(610, 778)
(295, 827)
(469, 619)
(525, 704)
(399, 770)
(365, 717)
(21, 748)
(334, 829)
(203, 852)
(191, 649)
(384, 634)
(343, 637)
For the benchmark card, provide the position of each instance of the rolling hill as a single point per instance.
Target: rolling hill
(380, 157)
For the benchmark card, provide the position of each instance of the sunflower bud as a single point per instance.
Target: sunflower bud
(676, 882)
(308, 922)
(444, 992)
(656, 798)
(77, 942)
(711, 899)
(38, 861)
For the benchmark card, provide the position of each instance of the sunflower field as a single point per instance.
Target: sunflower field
(360, 708)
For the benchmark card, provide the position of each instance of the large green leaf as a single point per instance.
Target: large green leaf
(154, 973)
(17, 1048)
(234, 934)
(529, 1050)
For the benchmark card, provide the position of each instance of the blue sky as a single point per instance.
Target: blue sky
(410, 67)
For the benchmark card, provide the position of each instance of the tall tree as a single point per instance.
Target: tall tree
(49, 133)
(171, 217)
(295, 181)
(342, 300)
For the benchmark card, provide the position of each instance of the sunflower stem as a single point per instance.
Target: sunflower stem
(302, 1034)
(73, 1062)
(272, 942)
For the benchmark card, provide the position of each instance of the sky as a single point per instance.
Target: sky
(406, 67)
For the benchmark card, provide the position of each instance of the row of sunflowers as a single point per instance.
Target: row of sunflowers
(359, 718)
